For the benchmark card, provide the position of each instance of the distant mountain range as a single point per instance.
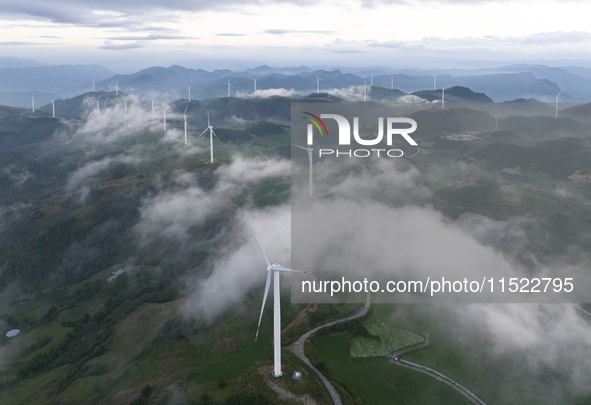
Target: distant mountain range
(522, 82)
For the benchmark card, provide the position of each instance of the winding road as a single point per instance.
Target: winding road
(298, 349)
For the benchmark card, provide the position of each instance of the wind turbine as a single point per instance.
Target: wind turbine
(164, 116)
(53, 107)
(93, 85)
(189, 87)
(255, 82)
(557, 99)
(33, 103)
(310, 150)
(211, 133)
(317, 81)
(229, 85)
(392, 77)
(435, 82)
(117, 88)
(443, 95)
(496, 126)
(371, 80)
(186, 126)
(274, 269)
(364, 89)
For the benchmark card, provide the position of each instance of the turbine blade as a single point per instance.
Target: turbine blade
(208, 124)
(215, 135)
(298, 146)
(277, 267)
(186, 109)
(267, 285)
(255, 239)
(203, 131)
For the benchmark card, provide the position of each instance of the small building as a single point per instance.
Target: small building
(297, 375)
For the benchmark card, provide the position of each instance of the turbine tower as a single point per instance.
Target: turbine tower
(557, 99)
(164, 116)
(317, 81)
(364, 90)
(392, 77)
(33, 103)
(435, 82)
(117, 88)
(371, 80)
(93, 85)
(274, 269)
(211, 134)
(186, 126)
(189, 87)
(255, 82)
(310, 151)
(53, 107)
(443, 95)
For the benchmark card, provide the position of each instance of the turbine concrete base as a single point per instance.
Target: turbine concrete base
(276, 375)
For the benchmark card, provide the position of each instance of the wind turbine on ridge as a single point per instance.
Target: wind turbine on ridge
(443, 95)
(211, 134)
(33, 102)
(274, 269)
(53, 107)
(255, 82)
(392, 77)
(317, 81)
(558, 98)
(117, 88)
(186, 126)
(229, 85)
(189, 87)
(310, 151)
(93, 85)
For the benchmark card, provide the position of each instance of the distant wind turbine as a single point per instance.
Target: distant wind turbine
(310, 151)
(272, 269)
(371, 80)
(364, 89)
(186, 126)
(33, 102)
(392, 77)
(255, 82)
(443, 95)
(93, 85)
(229, 85)
(117, 88)
(496, 127)
(189, 87)
(317, 81)
(53, 107)
(211, 134)
(557, 99)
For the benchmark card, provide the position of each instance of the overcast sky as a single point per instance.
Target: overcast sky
(130, 34)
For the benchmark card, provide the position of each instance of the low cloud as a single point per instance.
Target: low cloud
(268, 93)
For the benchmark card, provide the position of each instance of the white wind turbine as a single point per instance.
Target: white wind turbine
(371, 80)
(274, 269)
(33, 103)
(229, 85)
(557, 99)
(435, 82)
(317, 81)
(93, 85)
(255, 82)
(392, 77)
(164, 116)
(53, 107)
(211, 134)
(189, 87)
(310, 151)
(117, 88)
(186, 126)
(443, 95)
(364, 90)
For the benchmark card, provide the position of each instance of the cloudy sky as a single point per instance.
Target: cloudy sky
(129, 34)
